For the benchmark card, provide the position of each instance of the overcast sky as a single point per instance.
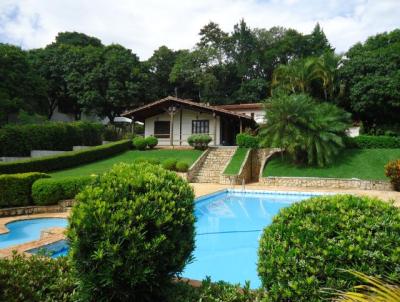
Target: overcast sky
(143, 26)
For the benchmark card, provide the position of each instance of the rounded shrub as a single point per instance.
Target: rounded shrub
(151, 141)
(310, 243)
(131, 232)
(139, 143)
(169, 164)
(182, 166)
(392, 170)
(199, 141)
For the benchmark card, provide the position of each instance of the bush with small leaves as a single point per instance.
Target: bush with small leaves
(131, 232)
(151, 141)
(169, 164)
(245, 140)
(139, 143)
(392, 170)
(309, 244)
(199, 141)
(182, 166)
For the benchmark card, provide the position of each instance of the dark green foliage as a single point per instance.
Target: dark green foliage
(66, 160)
(139, 143)
(15, 189)
(311, 133)
(392, 170)
(131, 232)
(245, 140)
(215, 292)
(370, 74)
(36, 279)
(52, 190)
(308, 245)
(151, 141)
(182, 166)
(76, 39)
(199, 141)
(20, 140)
(111, 134)
(373, 142)
(169, 164)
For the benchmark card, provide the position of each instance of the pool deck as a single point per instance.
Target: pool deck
(200, 189)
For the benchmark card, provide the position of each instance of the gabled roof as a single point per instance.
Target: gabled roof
(248, 106)
(160, 106)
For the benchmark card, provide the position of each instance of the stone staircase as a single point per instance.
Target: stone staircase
(213, 165)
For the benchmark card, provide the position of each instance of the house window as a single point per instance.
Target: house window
(161, 129)
(200, 126)
(252, 115)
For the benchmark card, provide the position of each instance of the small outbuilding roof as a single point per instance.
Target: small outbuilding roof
(161, 106)
(247, 106)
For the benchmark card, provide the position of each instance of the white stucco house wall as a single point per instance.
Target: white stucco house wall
(254, 110)
(173, 120)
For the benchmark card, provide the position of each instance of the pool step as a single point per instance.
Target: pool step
(213, 165)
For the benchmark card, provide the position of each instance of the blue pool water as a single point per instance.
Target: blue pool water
(28, 230)
(229, 225)
(53, 250)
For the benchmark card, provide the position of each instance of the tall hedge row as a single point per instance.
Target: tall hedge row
(65, 160)
(19, 140)
(373, 142)
(15, 189)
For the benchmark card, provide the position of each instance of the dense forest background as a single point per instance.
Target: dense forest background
(77, 73)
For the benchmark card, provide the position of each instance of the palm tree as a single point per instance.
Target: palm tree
(376, 290)
(299, 75)
(310, 132)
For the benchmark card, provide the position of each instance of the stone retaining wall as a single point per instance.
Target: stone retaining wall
(196, 166)
(327, 183)
(29, 210)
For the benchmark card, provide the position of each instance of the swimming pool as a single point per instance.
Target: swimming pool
(228, 227)
(23, 231)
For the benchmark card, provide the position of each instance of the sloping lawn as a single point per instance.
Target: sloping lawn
(351, 163)
(236, 161)
(102, 166)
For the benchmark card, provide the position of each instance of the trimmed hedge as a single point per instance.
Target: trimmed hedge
(309, 244)
(19, 140)
(15, 189)
(139, 143)
(151, 141)
(245, 140)
(66, 160)
(51, 190)
(169, 164)
(199, 141)
(182, 166)
(373, 142)
(131, 232)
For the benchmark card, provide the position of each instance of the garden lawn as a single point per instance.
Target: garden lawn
(351, 163)
(99, 167)
(236, 161)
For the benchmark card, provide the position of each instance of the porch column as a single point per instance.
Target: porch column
(241, 125)
(171, 111)
(215, 129)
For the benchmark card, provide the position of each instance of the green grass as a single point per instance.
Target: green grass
(236, 161)
(102, 166)
(351, 163)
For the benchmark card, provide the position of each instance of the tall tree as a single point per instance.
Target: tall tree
(371, 75)
(318, 43)
(77, 39)
(20, 86)
(113, 84)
